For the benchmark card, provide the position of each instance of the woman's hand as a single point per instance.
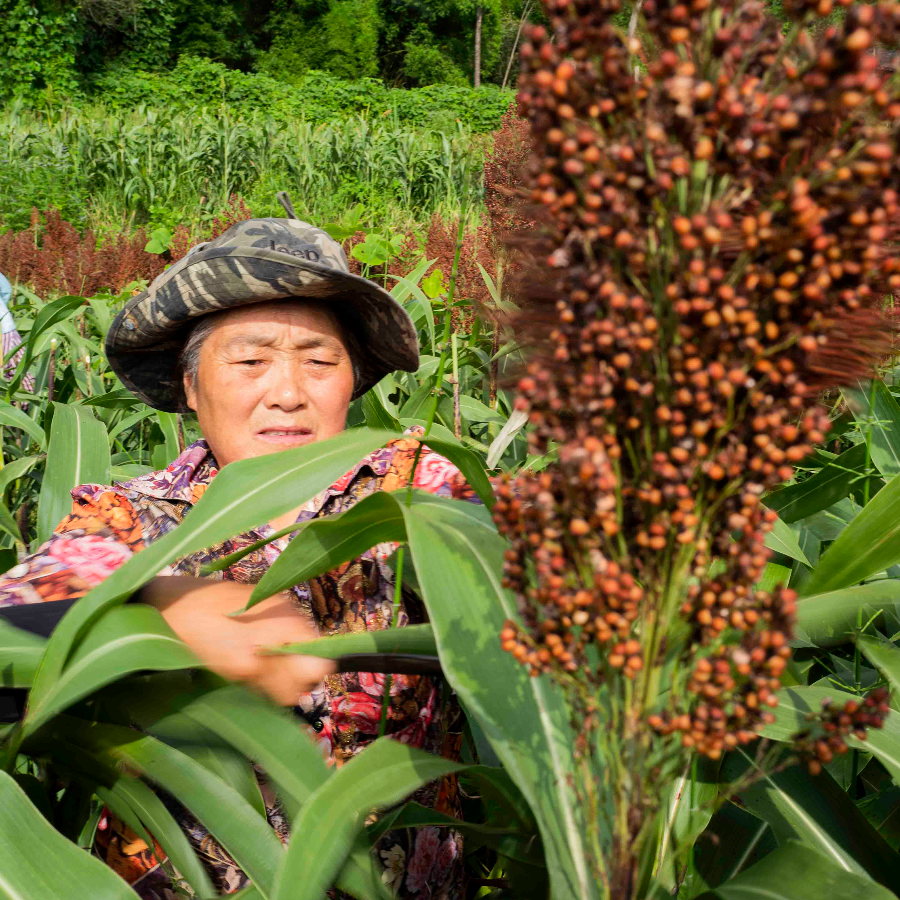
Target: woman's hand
(196, 609)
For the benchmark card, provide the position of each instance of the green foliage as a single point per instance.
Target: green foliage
(38, 41)
(425, 63)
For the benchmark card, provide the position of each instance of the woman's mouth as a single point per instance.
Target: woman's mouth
(289, 437)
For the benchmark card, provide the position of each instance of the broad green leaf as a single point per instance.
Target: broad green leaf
(831, 618)
(242, 496)
(877, 412)
(38, 863)
(233, 821)
(324, 834)
(129, 421)
(796, 703)
(869, 544)
(130, 796)
(817, 812)
(8, 523)
(476, 411)
(797, 872)
(126, 639)
(772, 576)
(782, 540)
(459, 559)
(411, 639)
(78, 454)
(325, 543)
(831, 483)
(20, 653)
(13, 417)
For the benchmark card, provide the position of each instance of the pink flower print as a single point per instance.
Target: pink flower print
(356, 712)
(447, 855)
(91, 557)
(423, 857)
(434, 472)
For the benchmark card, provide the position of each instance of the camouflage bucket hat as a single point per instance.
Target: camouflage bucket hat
(254, 261)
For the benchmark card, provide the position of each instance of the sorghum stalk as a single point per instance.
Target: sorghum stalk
(715, 213)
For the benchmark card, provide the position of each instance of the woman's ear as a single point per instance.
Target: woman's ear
(189, 391)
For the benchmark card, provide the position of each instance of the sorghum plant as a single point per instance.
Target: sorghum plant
(717, 210)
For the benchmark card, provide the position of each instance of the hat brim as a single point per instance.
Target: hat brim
(146, 338)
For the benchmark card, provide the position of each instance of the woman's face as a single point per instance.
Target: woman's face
(271, 376)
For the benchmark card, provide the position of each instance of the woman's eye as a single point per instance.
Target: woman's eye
(322, 362)
(250, 362)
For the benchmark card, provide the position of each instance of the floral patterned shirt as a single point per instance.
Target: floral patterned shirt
(108, 525)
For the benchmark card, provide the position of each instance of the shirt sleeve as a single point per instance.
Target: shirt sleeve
(100, 534)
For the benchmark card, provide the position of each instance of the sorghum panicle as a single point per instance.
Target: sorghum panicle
(717, 214)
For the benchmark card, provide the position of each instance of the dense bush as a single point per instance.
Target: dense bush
(314, 95)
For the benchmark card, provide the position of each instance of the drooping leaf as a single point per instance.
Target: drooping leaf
(505, 436)
(797, 872)
(326, 829)
(78, 453)
(36, 861)
(884, 656)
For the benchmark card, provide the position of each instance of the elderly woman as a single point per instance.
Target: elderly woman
(267, 337)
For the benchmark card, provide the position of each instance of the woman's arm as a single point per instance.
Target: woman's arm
(197, 610)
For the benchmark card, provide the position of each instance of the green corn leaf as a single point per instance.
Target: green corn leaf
(869, 544)
(38, 863)
(20, 653)
(514, 424)
(797, 872)
(78, 454)
(831, 618)
(242, 496)
(259, 730)
(126, 639)
(817, 812)
(128, 421)
(231, 819)
(829, 485)
(458, 554)
(136, 804)
(881, 419)
(467, 462)
(13, 417)
(411, 639)
(328, 824)
(8, 523)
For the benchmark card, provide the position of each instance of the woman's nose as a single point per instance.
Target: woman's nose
(285, 388)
